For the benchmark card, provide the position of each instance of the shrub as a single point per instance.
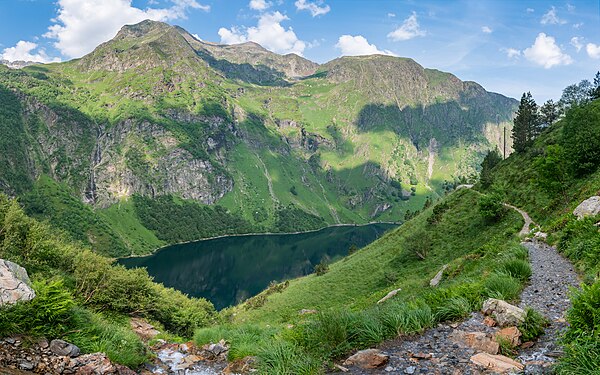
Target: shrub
(285, 358)
(581, 356)
(322, 268)
(401, 318)
(502, 287)
(584, 315)
(491, 208)
(419, 244)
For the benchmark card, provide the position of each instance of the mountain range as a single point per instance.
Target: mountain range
(157, 137)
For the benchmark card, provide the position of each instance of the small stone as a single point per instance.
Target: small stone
(390, 369)
(421, 355)
(307, 311)
(63, 348)
(341, 368)
(496, 363)
(26, 365)
(510, 334)
(527, 345)
(476, 340)
(489, 321)
(410, 370)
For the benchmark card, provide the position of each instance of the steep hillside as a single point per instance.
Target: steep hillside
(157, 113)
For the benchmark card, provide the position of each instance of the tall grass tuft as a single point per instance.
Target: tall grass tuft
(285, 358)
(453, 309)
(517, 268)
(502, 287)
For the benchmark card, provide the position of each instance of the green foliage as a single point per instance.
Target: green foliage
(581, 356)
(533, 326)
(491, 207)
(437, 212)
(453, 309)
(293, 219)
(553, 171)
(285, 358)
(419, 244)
(526, 124)
(491, 159)
(502, 287)
(549, 113)
(579, 240)
(581, 138)
(48, 314)
(92, 333)
(244, 340)
(179, 221)
(517, 268)
(321, 268)
(506, 347)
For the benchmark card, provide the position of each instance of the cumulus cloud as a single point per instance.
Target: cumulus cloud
(409, 29)
(269, 33)
(551, 18)
(577, 25)
(546, 52)
(593, 50)
(315, 8)
(83, 24)
(24, 51)
(577, 42)
(511, 52)
(486, 29)
(530, 10)
(357, 46)
(259, 4)
(391, 15)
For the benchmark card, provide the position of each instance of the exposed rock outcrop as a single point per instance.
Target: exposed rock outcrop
(15, 285)
(589, 207)
(503, 312)
(369, 358)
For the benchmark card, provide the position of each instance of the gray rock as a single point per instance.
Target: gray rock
(15, 285)
(60, 347)
(589, 207)
(438, 277)
(504, 313)
(410, 370)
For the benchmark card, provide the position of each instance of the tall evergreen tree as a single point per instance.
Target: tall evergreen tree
(595, 91)
(527, 123)
(492, 158)
(549, 113)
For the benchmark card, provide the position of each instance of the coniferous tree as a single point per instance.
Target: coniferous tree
(549, 113)
(526, 124)
(492, 158)
(595, 91)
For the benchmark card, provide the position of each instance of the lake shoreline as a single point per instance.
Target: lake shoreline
(259, 234)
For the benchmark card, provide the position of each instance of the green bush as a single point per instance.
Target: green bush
(584, 315)
(581, 356)
(452, 309)
(491, 208)
(284, 358)
(321, 268)
(401, 318)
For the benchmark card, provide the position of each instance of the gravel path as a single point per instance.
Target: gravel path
(547, 293)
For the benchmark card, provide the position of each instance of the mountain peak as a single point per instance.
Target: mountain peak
(143, 28)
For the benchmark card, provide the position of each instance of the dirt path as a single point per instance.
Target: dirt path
(547, 292)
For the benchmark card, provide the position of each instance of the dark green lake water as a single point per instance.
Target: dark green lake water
(230, 269)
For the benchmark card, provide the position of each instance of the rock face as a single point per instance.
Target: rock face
(143, 329)
(369, 358)
(589, 207)
(438, 277)
(503, 312)
(63, 348)
(15, 285)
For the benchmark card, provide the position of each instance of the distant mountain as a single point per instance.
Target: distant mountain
(261, 141)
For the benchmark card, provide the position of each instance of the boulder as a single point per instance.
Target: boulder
(510, 334)
(438, 277)
(476, 340)
(367, 359)
(589, 207)
(503, 312)
(15, 285)
(496, 363)
(489, 321)
(389, 295)
(63, 348)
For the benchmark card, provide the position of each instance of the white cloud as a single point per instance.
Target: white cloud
(391, 15)
(259, 4)
(24, 51)
(593, 50)
(551, 18)
(511, 52)
(357, 46)
(409, 29)
(530, 10)
(315, 8)
(269, 33)
(577, 25)
(486, 29)
(577, 42)
(546, 52)
(83, 24)
(570, 7)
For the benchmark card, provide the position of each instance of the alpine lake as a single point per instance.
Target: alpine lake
(230, 269)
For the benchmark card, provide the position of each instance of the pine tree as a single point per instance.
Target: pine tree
(527, 124)
(492, 158)
(549, 113)
(595, 91)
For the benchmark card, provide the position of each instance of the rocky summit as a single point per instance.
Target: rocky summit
(157, 114)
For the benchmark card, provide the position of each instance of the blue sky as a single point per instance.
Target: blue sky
(508, 46)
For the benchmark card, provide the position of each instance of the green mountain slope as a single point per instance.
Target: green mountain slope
(156, 112)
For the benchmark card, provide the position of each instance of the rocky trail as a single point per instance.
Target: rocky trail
(454, 348)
